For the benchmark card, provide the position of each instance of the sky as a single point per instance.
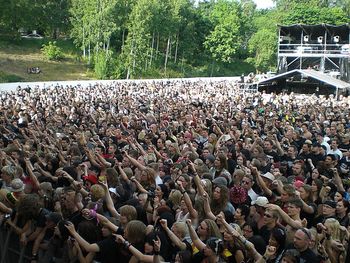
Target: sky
(261, 4)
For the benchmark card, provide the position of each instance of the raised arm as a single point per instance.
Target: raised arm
(197, 180)
(135, 162)
(174, 239)
(137, 253)
(207, 208)
(195, 239)
(285, 217)
(109, 201)
(260, 181)
(82, 242)
(193, 212)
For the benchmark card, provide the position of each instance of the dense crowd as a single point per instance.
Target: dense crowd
(175, 171)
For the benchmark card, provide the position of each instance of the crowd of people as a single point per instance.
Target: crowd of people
(175, 171)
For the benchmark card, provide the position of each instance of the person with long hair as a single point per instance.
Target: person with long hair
(220, 200)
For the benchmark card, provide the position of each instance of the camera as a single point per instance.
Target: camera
(151, 195)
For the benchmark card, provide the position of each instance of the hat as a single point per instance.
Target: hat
(220, 181)
(17, 185)
(261, 201)
(269, 176)
(91, 178)
(330, 203)
(54, 217)
(211, 158)
(226, 138)
(114, 191)
(298, 184)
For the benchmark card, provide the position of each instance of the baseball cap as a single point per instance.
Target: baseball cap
(91, 178)
(220, 181)
(17, 185)
(330, 203)
(260, 201)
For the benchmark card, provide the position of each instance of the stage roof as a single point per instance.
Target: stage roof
(312, 74)
(341, 30)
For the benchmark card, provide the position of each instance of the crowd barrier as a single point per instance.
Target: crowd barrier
(86, 83)
(10, 249)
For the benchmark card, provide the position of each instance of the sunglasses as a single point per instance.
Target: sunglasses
(306, 232)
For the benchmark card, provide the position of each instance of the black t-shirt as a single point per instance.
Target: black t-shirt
(309, 217)
(75, 218)
(273, 156)
(307, 256)
(109, 252)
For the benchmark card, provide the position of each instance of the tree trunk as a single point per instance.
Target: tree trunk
(84, 48)
(166, 54)
(123, 38)
(89, 51)
(176, 47)
(152, 49)
(157, 45)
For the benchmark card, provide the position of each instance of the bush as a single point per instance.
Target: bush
(52, 51)
(103, 64)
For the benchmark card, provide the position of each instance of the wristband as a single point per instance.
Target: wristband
(183, 192)
(35, 257)
(156, 253)
(264, 258)
(126, 244)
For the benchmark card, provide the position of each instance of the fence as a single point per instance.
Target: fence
(10, 249)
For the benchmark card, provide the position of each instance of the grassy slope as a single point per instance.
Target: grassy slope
(17, 55)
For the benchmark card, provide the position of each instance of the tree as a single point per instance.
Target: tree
(263, 48)
(136, 48)
(224, 41)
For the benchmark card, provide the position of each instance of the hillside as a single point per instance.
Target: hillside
(18, 55)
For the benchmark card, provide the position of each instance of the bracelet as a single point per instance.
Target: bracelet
(265, 258)
(126, 244)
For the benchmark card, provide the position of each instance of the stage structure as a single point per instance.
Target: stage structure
(324, 48)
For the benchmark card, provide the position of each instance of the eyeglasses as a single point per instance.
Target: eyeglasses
(306, 232)
(245, 182)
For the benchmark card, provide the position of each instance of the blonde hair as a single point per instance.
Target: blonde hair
(129, 212)
(181, 228)
(97, 192)
(213, 229)
(333, 226)
(175, 197)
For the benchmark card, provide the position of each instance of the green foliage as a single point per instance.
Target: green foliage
(263, 47)
(224, 41)
(103, 64)
(51, 51)
(312, 15)
(165, 37)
